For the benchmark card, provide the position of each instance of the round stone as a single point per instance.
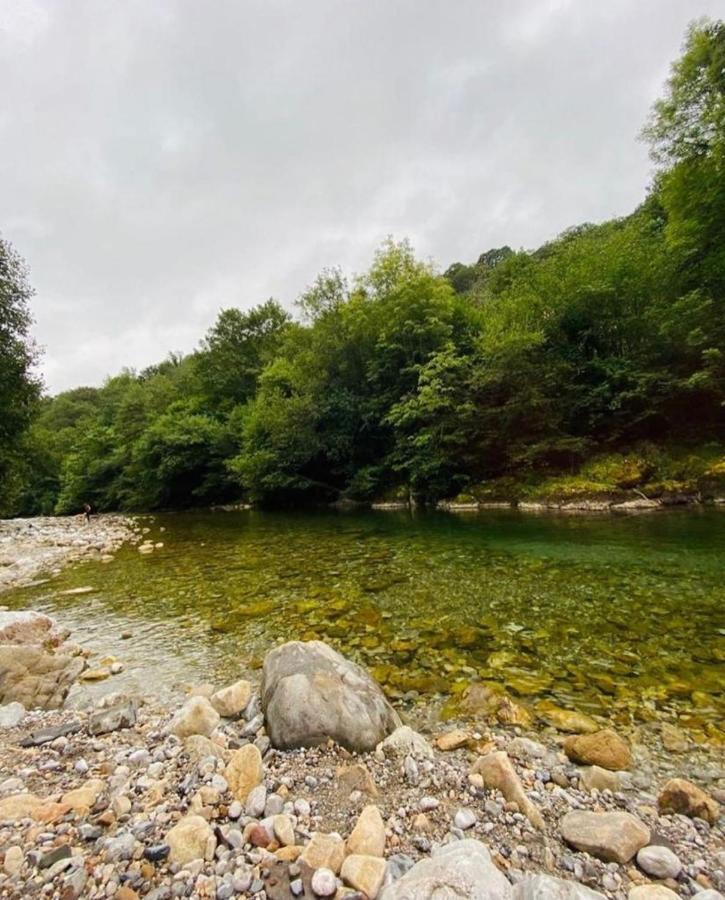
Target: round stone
(659, 862)
(324, 883)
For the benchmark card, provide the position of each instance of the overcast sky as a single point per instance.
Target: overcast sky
(162, 160)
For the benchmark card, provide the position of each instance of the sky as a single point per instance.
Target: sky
(160, 161)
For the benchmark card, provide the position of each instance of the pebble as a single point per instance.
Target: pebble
(464, 819)
(324, 883)
(425, 804)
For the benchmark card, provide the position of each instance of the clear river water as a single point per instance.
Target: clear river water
(622, 616)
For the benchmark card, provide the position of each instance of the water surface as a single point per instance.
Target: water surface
(606, 614)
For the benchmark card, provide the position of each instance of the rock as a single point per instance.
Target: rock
(673, 739)
(356, 778)
(652, 892)
(452, 740)
(406, 742)
(499, 773)
(568, 720)
(13, 861)
(546, 887)
(659, 862)
(364, 873)
(310, 693)
(120, 715)
(684, 797)
(368, 836)
(99, 674)
(324, 851)
(11, 714)
(283, 830)
(45, 735)
(256, 801)
(198, 747)
(611, 836)
(524, 748)
(83, 799)
(121, 846)
(36, 678)
(457, 870)
(196, 716)
(487, 699)
(19, 806)
(603, 748)
(244, 771)
(191, 838)
(464, 818)
(63, 851)
(324, 883)
(594, 778)
(232, 700)
(25, 626)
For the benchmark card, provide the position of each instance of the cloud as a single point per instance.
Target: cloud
(159, 161)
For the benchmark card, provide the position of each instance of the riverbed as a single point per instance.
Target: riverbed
(618, 617)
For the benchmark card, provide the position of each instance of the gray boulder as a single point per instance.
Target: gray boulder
(311, 693)
(36, 678)
(457, 870)
(546, 887)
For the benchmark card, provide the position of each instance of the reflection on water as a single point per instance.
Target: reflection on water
(621, 615)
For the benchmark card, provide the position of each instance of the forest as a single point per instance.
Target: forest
(597, 356)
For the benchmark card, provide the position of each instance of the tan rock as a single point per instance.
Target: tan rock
(232, 700)
(288, 854)
(568, 720)
(13, 861)
(364, 873)
(244, 771)
(196, 716)
(673, 738)
(191, 838)
(284, 830)
(422, 823)
(684, 797)
(651, 892)
(125, 893)
(51, 812)
(19, 806)
(604, 748)
(36, 678)
(198, 746)
(324, 851)
(368, 836)
(498, 772)
(610, 836)
(594, 778)
(98, 674)
(356, 778)
(452, 740)
(84, 798)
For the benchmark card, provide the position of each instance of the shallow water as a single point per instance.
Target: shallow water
(621, 616)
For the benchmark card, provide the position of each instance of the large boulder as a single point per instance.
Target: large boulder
(546, 887)
(25, 626)
(610, 836)
(310, 693)
(453, 871)
(36, 678)
(684, 797)
(604, 748)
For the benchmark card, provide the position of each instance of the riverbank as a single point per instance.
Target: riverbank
(131, 799)
(41, 547)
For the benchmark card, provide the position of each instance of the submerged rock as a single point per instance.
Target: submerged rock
(461, 869)
(310, 693)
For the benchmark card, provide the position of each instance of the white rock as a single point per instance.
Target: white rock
(324, 883)
(659, 862)
(546, 887)
(465, 818)
(11, 714)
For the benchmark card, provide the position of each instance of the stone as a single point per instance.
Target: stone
(231, 701)
(25, 626)
(364, 873)
(659, 862)
(99, 674)
(682, 796)
(121, 714)
(498, 772)
(19, 806)
(196, 716)
(324, 883)
(546, 887)
(673, 738)
(244, 771)
(653, 892)
(525, 748)
(13, 861)
(63, 851)
(594, 778)
(356, 778)
(452, 740)
(45, 735)
(324, 851)
(310, 694)
(256, 801)
(11, 714)
(35, 677)
(610, 836)
(283, 830)
(191, 838)
(567, 720)
(453, 871)
(199, 747)
(368, 836)
(406, 742)
(82, 799)
(464, 818)
(604, 748)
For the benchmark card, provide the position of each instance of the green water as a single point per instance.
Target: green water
(621, 616)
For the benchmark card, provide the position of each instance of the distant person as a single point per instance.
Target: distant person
(87, 510)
